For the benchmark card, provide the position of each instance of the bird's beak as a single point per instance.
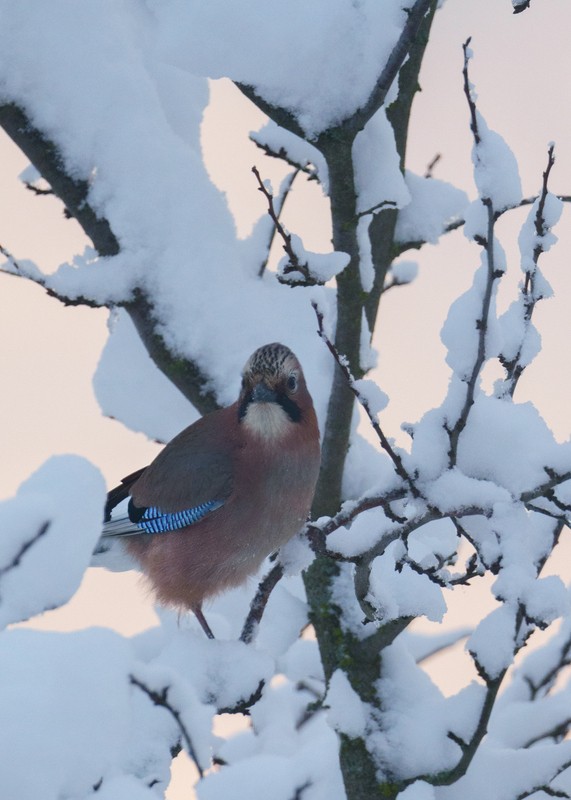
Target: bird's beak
(262, 393)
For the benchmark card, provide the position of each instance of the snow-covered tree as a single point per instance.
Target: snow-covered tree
(106, 100)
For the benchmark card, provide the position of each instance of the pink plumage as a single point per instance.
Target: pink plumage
(246, 472)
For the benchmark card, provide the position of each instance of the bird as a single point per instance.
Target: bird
(226, 492)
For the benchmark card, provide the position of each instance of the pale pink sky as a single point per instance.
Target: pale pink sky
(48, 353)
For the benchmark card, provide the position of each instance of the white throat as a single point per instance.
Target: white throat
(267, 420)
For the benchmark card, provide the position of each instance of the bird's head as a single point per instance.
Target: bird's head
(274, 396)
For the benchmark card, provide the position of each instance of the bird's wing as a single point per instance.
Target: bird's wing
(120, 493)
(127, 519)
(190, 479)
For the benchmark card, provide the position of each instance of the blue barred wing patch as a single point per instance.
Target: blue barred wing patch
(154, 520)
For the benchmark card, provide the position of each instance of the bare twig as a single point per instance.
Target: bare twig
(278, 207)
(428, 173)
(514, 368)
(377, 207)
(23, 549)
(469, 749)
(294, 263)
(283, 155)
(492, 275)
(160, 698)
(468, 92)
(36, 189)
(258, 604)
(385, 444)
(541, 687)
(458, 223)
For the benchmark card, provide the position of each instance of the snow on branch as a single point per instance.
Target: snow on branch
(47, 541)
(300, 267)
(371, 403)
(498, 184)
(275, 208)
(46, 158)
(30, 271)
(521, 339)
(160, 698)
(416, 16)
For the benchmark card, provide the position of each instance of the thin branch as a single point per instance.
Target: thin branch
(545, 787)
(23, 549)
(555, 479)
(557, 733)
(160, 699)
(469, 749)
(545, 684)
(244, 706)
(278, 207)
(47, 159)
(33, 273)
(492, 275)
(429, 171)
(458, 223)
(294, 263)
(283, 155)
(37, 191)
(385, 444)
(377, 207)
(514, 368)
(260, 601)
(468, 93)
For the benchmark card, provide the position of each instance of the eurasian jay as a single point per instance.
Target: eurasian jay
(227, 491)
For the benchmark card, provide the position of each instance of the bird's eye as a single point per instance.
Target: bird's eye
(292, 382)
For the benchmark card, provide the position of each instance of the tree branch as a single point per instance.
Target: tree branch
(47, 159)
(73, 193)
(294, 263)
(515, 368)
(23, 549)
(277, 207)
(492, 275)
(160, 699)
(260, 601)
(469, 749)
(344, 367)
(400, 51)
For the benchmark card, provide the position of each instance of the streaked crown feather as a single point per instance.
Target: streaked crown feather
(271, 360)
